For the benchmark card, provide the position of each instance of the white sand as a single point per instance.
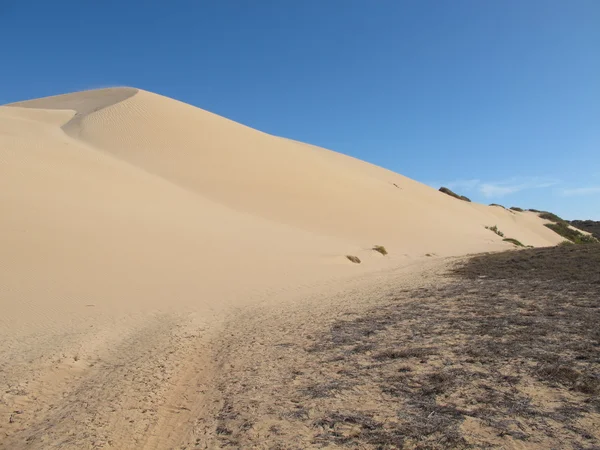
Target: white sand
(121, 207)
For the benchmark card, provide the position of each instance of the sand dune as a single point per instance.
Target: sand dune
(119, 205)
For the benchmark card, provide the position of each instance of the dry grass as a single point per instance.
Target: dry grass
(495, 230)
(508, 324)
(354, 259)
(513, 241)
(449, 192)
(381, 249)
(504, 352)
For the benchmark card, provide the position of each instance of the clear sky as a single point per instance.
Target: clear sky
(499, 100)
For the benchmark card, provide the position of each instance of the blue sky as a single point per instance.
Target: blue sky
(499, 100)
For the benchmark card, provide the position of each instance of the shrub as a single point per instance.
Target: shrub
(550, 216)
(590, 226)
(534, 210)
(381, 249)
(513, 241)
(354, 259)
(495, 230)
(516, 208)
(496, 204)
(447, 191)
(575, 236)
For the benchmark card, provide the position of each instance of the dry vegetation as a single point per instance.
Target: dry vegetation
(504, 354)
(514, 241)
(381, 249)
(449, 192)
(495, 230)
(354, 259)
(590, 226)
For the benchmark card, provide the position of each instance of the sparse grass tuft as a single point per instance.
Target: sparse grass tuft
(354, 259)
(381, 249)
(516, 208)
(447, 191)
(495, 230)
(513, 241)
(496, 204)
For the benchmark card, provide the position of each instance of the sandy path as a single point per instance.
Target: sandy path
(162, 380)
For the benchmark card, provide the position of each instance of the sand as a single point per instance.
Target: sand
(134, 225)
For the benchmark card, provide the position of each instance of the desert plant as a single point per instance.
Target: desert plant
(516, 208)
(550, 216)
(496, 204)
(354, 259)
(447, 191)
(534, 210)
(381, 249)
(513, 241)
(495, 230)
(590, 226)
(575, 236)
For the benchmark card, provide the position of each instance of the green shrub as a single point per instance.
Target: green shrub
(590, 226)
(575, 236)
(534, 210)
(496, 204)
(445, 190)
(566, 243)
(495, 230)
(513, 241)
(381, 249)
(354, 259)
(550, 216)
(516, 208)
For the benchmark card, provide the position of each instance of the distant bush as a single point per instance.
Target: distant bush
(590, 226)
(495, 230)
(513, 241)
(534, 210)
(496, 204)
(381, 249)
(354, 259)
(566, 243)
(550, 216)
(445, 190)
(575, 236)
(516, 208)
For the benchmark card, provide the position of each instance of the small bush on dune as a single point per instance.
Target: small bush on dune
(381, 249)
(495, 230)
(590, 226)
(534, 210)
(354, 259)
(447, 191)
(566, 243)
(575, 236)
(516, 208)
(513, 241)
(496, 204)
(550, 216)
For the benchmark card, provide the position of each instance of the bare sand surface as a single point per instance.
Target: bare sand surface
(133, 227)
